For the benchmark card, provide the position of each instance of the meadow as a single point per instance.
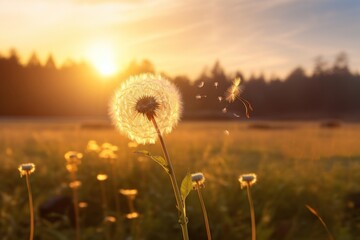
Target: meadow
(297, 164)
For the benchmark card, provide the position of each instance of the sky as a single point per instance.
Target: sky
(182, 37)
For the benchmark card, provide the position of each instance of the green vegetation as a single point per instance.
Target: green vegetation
(297, 164)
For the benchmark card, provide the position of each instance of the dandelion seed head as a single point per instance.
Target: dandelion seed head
(129, 192)
(198, 180)
(141, 97)
(92, 146)
(83, 204)
(107, 154)
(73, 157)
(72, 167)
(147, 105)
(26, 169)
(75, 184)
(110, 219)
(101, 177)
(109, 146)
(248, 179)
(132, 215)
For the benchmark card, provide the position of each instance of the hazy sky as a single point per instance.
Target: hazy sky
(183, 36)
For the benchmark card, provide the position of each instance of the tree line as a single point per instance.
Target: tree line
(33, 89)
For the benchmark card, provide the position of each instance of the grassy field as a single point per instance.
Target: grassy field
(297, 163)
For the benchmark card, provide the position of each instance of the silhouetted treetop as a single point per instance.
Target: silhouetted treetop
(76, 89)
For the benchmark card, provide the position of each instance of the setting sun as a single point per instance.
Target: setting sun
(102, 56)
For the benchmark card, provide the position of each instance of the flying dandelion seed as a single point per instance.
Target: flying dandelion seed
(216, 84)
(198, 96)
(236, 81)
(234, 92)
(226, 132)
(220, 98)
(224, 110)
(141, 97)
(236, 115)
(201, 85)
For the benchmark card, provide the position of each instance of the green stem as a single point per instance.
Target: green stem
(76, 207)
(252, 213)
(105, 210)
(327, 229)
(179, 201)
(208, 233)
(31, 207)
(115, 185)
(131, 205)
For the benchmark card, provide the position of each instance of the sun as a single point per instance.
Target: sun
(102, 56)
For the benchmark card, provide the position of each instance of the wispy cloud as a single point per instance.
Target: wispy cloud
(181, 36)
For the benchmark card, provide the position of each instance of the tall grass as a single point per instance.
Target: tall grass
(297, 164)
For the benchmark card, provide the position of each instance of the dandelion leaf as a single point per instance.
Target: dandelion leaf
(160, 160)
(186, 186)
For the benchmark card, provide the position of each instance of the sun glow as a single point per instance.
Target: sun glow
(102, 56)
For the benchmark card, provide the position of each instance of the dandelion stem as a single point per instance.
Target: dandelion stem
(208, 233)
(31, 207)
(180, 203)
(104, 206)
(326, 228)
(115, 185)
(76, 207)
(131, 205)
(252, 212)
(313, 211)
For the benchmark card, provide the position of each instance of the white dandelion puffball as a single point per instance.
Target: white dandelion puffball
(141, 98)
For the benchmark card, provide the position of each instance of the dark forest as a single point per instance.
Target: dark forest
(330, 91)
